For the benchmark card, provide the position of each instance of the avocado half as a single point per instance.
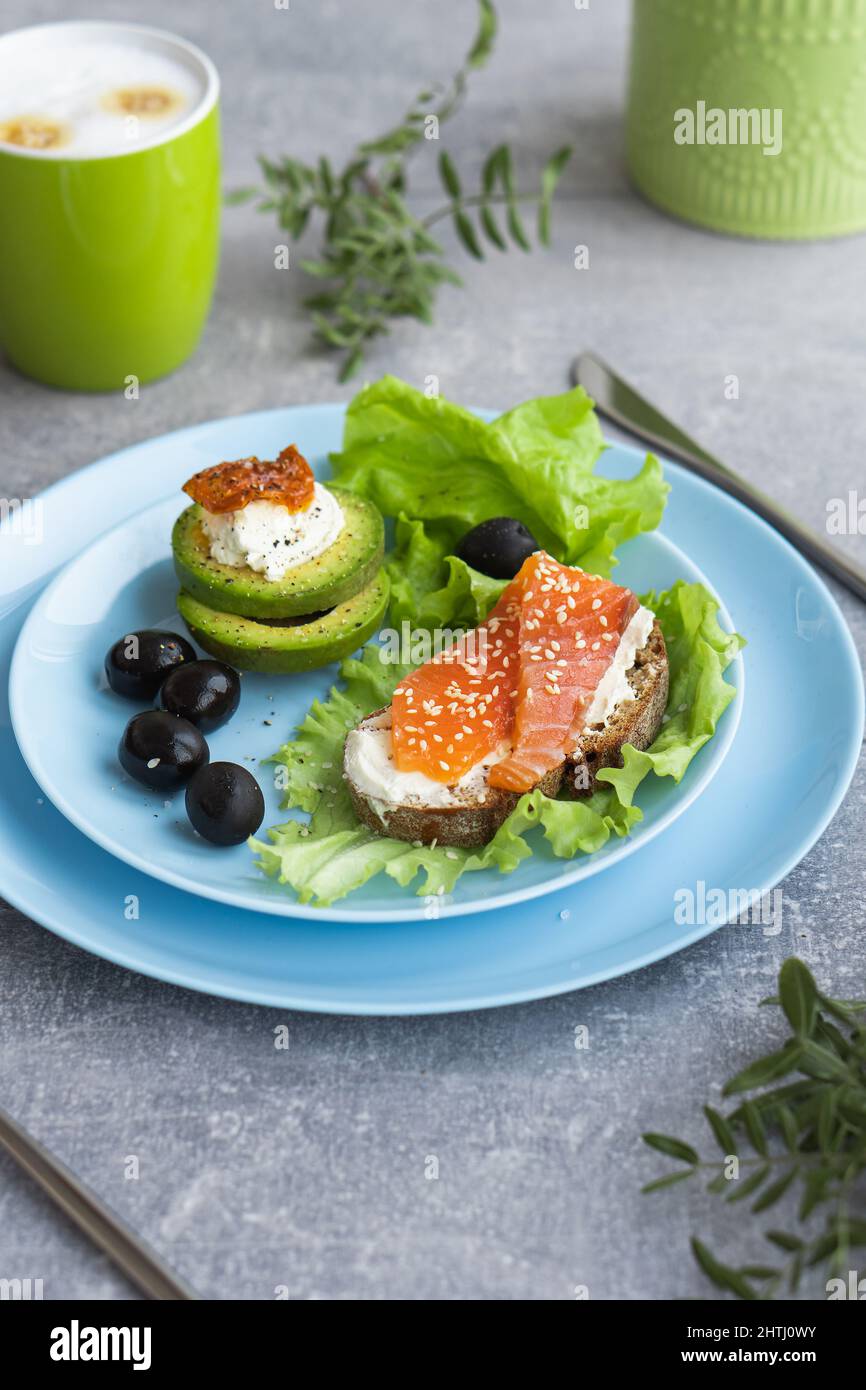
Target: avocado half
(280, 648)
(316, 586)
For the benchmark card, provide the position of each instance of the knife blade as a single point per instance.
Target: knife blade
(620, 402)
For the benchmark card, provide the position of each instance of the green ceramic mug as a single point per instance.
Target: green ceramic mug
(749, 116)
(109, 201)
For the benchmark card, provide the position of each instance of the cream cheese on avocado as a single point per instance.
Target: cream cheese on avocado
(270, 539)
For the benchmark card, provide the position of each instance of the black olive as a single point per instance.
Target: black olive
(224, 803)
(161, 750)
(497, 547)
(207, 693)
(137, 665)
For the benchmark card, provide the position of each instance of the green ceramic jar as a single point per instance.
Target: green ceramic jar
(749, 116)
(107, 262)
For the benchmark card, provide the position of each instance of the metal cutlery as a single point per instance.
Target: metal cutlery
(132, 1255)
(632, 412)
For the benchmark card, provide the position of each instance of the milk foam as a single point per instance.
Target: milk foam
(94, 90)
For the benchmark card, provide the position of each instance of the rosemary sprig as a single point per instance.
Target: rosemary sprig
(808, 1133)
(378, 260)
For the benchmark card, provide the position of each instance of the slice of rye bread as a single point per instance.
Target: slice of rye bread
(473, 821)
(634, 721)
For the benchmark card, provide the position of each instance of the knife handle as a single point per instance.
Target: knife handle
(806, 540)
(619, 402)
(138, 1262)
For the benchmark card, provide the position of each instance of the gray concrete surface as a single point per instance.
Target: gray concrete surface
(306, 1169)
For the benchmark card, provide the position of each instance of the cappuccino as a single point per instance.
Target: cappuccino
(83, 90)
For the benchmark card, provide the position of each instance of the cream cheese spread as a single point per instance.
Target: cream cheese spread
(268, 538)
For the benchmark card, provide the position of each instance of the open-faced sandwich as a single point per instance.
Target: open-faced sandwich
(567, 668)
(278, 572)
(517, 698)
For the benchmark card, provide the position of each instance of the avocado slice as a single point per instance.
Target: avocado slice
(342, 570)
(280, 648)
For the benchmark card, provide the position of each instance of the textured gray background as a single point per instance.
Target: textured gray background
(262, 1168)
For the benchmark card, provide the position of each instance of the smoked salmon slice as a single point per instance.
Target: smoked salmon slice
(571, 624)
(453, 711)
(525, 676)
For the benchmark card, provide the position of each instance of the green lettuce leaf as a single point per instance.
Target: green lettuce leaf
(331, 854)
(440, 470)
(432, 589)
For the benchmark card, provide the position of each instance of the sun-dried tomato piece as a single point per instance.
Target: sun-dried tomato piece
(228, 487)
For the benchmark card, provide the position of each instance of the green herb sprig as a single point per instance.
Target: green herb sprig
(807, 1133)
(378, 260)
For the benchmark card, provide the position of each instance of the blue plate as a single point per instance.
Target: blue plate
(787, 771)
(125, 581)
